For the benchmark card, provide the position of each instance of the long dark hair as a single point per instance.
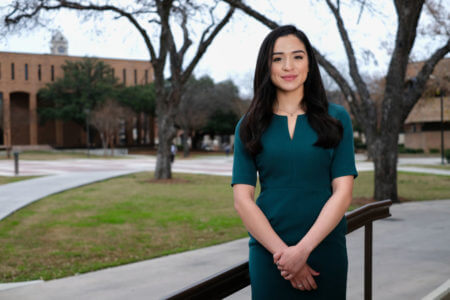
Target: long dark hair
(314, 103)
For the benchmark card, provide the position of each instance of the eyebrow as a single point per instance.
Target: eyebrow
(295, 51)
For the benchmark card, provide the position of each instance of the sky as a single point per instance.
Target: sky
(232, 55)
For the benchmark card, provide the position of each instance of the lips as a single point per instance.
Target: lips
(289, 77)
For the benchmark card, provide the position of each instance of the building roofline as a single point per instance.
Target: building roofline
(73, 56)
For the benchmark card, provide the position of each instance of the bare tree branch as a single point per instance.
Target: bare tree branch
(369, 106)
(205, 44)
(414, 88)
(10, 20)
(186, 40)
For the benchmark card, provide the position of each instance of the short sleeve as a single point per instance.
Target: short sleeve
(244, 167)
(343, 161)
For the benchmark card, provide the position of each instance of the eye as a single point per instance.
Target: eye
(298, 57)
(275, 59)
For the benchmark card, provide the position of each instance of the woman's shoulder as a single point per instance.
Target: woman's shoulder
(238, 124)
(338, 111)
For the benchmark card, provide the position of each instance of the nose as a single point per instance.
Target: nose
(287, 65)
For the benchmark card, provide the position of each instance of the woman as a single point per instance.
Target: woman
(302, 148)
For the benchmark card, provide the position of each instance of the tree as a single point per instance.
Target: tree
(194, 109)
(142, 100)
(85, 84)
(399, 95)
(202, 102)
(165, 14)
(107, 118)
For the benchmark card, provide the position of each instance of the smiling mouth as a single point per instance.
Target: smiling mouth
(289, 77)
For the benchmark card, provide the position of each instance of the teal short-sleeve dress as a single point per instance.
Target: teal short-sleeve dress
(295, 178)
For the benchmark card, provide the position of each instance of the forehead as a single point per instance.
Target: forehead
(288, 43)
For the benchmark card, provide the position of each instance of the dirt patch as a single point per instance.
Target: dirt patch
(169, 181)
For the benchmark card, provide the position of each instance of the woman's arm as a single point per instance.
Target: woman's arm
(254, 219)
(293, 258)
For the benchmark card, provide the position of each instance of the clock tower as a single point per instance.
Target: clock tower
(58, 44)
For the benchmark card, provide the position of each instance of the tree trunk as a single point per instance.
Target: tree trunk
(184, 139)
(152, 130)
(385, 160)
(166, 133)
(104, 143)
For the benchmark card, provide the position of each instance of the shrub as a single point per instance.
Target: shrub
(402, 149)
(447, 155)
(434, 150)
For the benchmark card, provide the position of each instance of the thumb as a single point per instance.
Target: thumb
(276, 256)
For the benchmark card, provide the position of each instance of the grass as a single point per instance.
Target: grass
(131, 218)
(10, 179)
(115, 222)
(56, 155)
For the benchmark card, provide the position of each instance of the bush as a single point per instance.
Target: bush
(359, 144)
(447, 155)
(402, 149)
(434, 150)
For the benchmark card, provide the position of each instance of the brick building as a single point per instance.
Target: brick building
(423, 125)
(21, 77)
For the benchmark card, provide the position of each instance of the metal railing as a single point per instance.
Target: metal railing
(235, 278)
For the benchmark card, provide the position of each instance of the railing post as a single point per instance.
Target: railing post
(368, 261)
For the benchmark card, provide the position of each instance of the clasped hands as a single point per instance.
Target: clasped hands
(291, 261)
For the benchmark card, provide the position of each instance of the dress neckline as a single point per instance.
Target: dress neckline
(286, 120)
(283, 116)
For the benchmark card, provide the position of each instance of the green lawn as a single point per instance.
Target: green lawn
(132, 218)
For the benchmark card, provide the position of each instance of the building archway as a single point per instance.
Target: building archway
(20, 118)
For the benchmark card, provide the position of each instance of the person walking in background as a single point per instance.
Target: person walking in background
(302, 148)
(173, 152)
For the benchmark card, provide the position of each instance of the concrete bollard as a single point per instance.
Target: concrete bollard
(16, 163)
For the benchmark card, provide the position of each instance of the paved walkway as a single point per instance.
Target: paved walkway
(411, 251)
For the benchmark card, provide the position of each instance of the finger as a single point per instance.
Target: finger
(314, 272)
(299, 285)
(276, 256)
(311, 282)
(306, 284)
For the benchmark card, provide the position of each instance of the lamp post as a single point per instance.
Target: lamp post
(87, 112)
(441, 93)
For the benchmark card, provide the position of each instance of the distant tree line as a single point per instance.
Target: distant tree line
(89, 92)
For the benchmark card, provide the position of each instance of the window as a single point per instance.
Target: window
(26, 71)
(124, 76)
(53, 73)
(39, 73)
(135, 76)
(12, 71)
(146, 76)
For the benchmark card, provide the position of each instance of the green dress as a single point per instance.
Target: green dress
(295, 178)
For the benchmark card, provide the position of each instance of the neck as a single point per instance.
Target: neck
(289, 101)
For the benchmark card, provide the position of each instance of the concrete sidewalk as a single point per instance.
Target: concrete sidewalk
(411, 258)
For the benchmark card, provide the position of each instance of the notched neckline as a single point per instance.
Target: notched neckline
(299, 115)
(287, 125)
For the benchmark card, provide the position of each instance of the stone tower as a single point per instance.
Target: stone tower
(58, 44)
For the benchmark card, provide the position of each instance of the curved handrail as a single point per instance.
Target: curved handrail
(235, 278)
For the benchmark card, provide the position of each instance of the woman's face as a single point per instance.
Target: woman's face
(289, 64)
